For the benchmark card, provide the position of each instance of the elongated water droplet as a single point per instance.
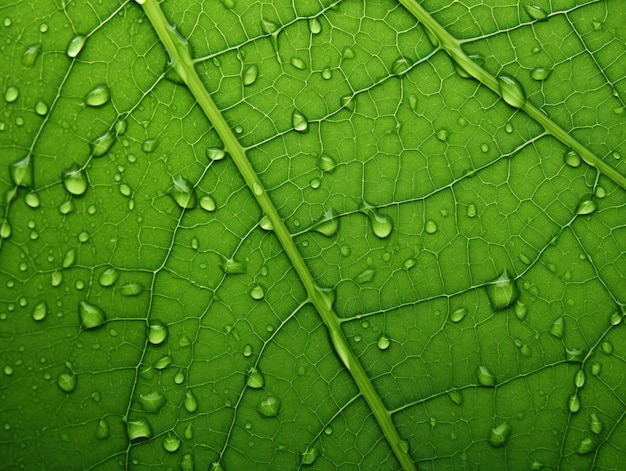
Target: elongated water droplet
(573, 404)
(268, 27)
(502, 292)
(327, 163)
(485, 377)
(250, 75)
(152, 401)
(499, 434)
(5, 229)
(157, 332)
(170, 442)
(76, 45)
(56, 278)
(269, 407)
(558, 328)
(595, 424)
(535, 12)
(315, 26)
(183, 193)
(138, 429)
(11, 94)
(40, 311)
(31, 54)
(299, 122)
(98, 96)
(190, 403)
(150, 145)
(310, 455)
(90, 316)
(102, 429)
(456, 397)
(22, 172)
(586, 207)
(365, 276)
(383, 342)
(616, 318)
(233, 267)
(69, 258)
(512, 91)
(298, 63)
(207, 203)
(132, 288)
(382, 224)
(520, 310)
(579, 379)
(458, 314)
(400, 65)
(328, 225)
(75, 181)
(255, 379)
(540, 73)
(67, 382)
(101, 145)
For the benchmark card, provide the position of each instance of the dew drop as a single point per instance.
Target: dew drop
(98, 96)
(347, 53)
(268, 27)
(383, 342)
(32, 200)
(586, 446)
(56, 278)
(207, 203)
(183, 193)
(606, 347)
(90, 316)
(132, 288)
(31, 54)
(247, 350)
(41, 108)
(535, 12)
(255, 379)
(298, 63)
(512, 91)
(138, 429)
(179, 377)
(157, 332)
(573, 403)
(233, 267)
(5, 229)
(299, 122)
(600, 192)
(152, 401)
(521, 311)
(102, 429)
(430, 226)
(66, 382)
(484, 148)
(616, 318)
(265, 223)
(586, 207)
(75, 181)
(596, 368)
(365, 276)
(557, 329)
(485, 376)
(458, 314)
(502, 292)
(400, 65)
(257, 189)
(540, 73)
(11, 94)
(257, 292)
(579, 379)
(327, 73)
(471, 210)
(413, 101)
(328, 224)
(150, 145)
(102, 144)
(164, 362)
(572, 158)
(188, 433)
(269, 407)
(347, 102)
(327, 163)
(499, 434)
(595, 424)
(310, 455)
(69, 258)
(214, 153)
(456, 397)
(315, 26)
(190, 403)
(250, 75)
(382, 224)
(76, 45)
(22, 172)
(171, 442)
(40, 311)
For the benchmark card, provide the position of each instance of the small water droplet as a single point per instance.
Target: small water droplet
(32, 200)
(90, 316)
(269, 407)
(456, 397)
(600, 192)
(558, 328)
(164, 362)
(5, 229)
(586, 207)
(183, 193)
(214, 153)
(152, 401)
(540, 73)
(67, 382)
(207, 203)
(257, 189)
(573, 403)
(157, 332)
(430, 226)
(76, 45)
(521, 311)
(31, 54)
(40, 311)
(56, 278)
(41, 108)
(535, 12)
(327, 73)
(102, 429)
(268, 27)
(179, 377)
(383, 342)
(11, 94)
(458, 314)
(400, 65)
(150, 145)
(347, 53)
(247, 350)
(615, 318)
(442, 135)
(499, 434)
(298, 63)
(132, 288)
(188, 433)
(299, 122)
(170, 442)
(484, 148)
(328, 224)
(190, 403)
(138, 429)
(586, 445)
(233, 267)
(382, 224)
(512, 91)
(502, 292)
(102, 144)
(434, 40)
(485, 376)
(595, 424)
(579, 379)
(606, 347)
(365, 276)
(327, 163)
(265, 223)
(310, 455)
(75, 181)
(22, 172)
(572, 158)
(315, 26)
(250, 75)
(99, 96)
(255, 379)
(257, 292)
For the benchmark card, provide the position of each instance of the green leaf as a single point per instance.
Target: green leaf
(337, 235)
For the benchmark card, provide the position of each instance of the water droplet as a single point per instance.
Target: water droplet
(430, 227)
(22, 172)
(327, 73)
(98, 96)
(257, 292)
(596, 368)
(150, 145)
(499, 434)
(56, 278)
(233, 267)
(400, 65)
(90, 316)
(595, 424)
(315, 26)
(76, 45)
(456, 397)
(535, 12)
(179, 377)
(572, 158)
(40, 311)
(257, 189)
(299, 122)
(383, 342)
(152, 401)
(442, 135)
(265, 223)
(521, 310)
(616, 318)
(327, 163)
(41, 108)
(5, 229)
(138, 429)
(310, 455)
(75, 181)
(485, 377)
(255, 379)
(268, 27)
(102, 144)
(586, 207)
(32, 200)
(574, 355)
(458, 314)
(540, 73)
(328, 224)
(558, 328)
(188, 433)
(102, 429)
(132, 288)
(347, 102)
(157, 332)
(382, 225)
(247, 350)
(69, 258)
(250, 75)
(11, 94)
(365, 276)
(579, 379)
(67, 382)
(347, 53)
(170, 442)
(606, 347)
(269, 407)
(164, 362)
(413, 101)
(191, 403)
(31, 54)
(471, 210)
(573, 404)
(298, 63)
(183, 193)
(512, 91)
(502, 292)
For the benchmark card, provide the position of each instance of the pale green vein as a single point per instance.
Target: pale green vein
(452, 46)
(183, 64)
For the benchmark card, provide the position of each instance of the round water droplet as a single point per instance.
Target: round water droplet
(41, 108)
(442, 135)
(171, 442)
(22, 172)
(540, 73)
(11, 94)
(268, 27)
(606, 347)
(485, 377)
(512, 91)
(265, 223)
(327, 74)
(183, 193)
(76, 45)
(132, 288)
(32, 200)
(383, 342)
(75, 181)
(250, 75)
(66, 382)
(257, 189)
(458, 314)
(257, 292)
(508, 127)
(572, 158)
(327, 163)
(315, 26)
(430, 227)
(190, 403)
(157, 332)
(328, 224)
(502, 292)
(102, 429)
(616, 318)
(208, 203)
(535, 12)
(90, 316)
(138, 429)
(98, 96)
(152, 401)
(595, 424)
(558, 328)
(586, 207)
(269, 407)
(247, 350)
(347, 53)
(40, 311)
(255, 379)
(382, 225)
(499, 434)
(484, 148)
(299, 122)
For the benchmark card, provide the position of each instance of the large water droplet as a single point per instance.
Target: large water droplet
(233, 267)
(41, 108)
(521, 311)
(327, 163)
(502, 292)
(382, 224)
(255, 379)
(558, 328)
(535, 12)
(310, 455)
(328, 225)
(540, 73)
(499, 434)
(383, 342)
(586, 207)
(595, 424)
(190, 403)
(365, 276)
(265, 223)
(75, 181)
(485, 376)
(183, 193)
(69, 258)
(102, 144)
(512, 91)
(164, 362)
(299, 121)
(152, 401)
(250, 75)
(98, 96)
(40, 311)
(269, 407)
(132, 288)
(573, 403)
(315, 26)
(66, 382)
(157, 332)
(22, 172)
(11, 94)
(138, 429)
(171, 442)
(76, 45)
(90, 316)
(102, 429)
(572, 158)
(257, 292)
(579, 379)
(108, 277)
(31, 54)
(458, 314)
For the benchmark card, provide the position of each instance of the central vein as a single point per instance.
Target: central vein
(183, 64)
